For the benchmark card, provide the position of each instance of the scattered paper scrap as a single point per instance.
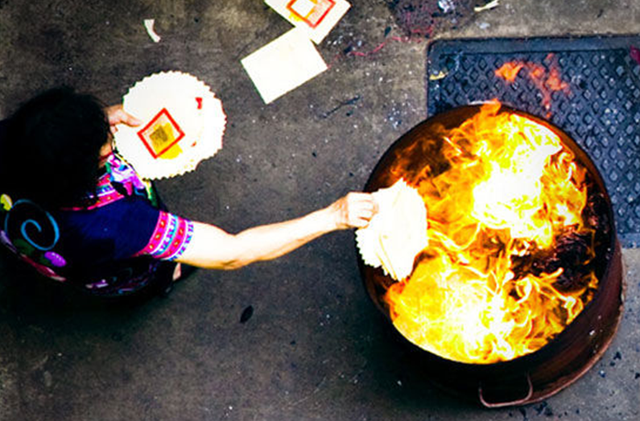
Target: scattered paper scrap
(488, 6)
(148, 24)
(316, 17)
(183, 123)
(437, 76)
(283, 64)
(397, 233)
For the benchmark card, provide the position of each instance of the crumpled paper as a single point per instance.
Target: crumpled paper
(397, 233)
(182, 124)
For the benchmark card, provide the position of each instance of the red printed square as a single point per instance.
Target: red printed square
(161, 133)
(312, 12)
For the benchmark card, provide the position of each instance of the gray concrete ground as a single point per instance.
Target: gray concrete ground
(315, 347)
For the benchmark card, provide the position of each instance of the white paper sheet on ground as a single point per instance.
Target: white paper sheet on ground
(397, 233)
(316, 17)
(182, 124)
(283, 64)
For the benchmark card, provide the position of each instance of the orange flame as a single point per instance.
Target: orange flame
(546, 82)
(509, 71)
(509, 188)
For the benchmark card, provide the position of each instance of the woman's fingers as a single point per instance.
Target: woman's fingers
(355, 210)
(117, 115)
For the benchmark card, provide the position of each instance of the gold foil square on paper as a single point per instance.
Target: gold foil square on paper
(161, 134)
(315, 17)
(312, 12)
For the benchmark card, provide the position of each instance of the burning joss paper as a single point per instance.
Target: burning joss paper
(397, 233)
(508, 205)
(183, 123)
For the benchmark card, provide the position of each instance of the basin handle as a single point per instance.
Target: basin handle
(514, 402)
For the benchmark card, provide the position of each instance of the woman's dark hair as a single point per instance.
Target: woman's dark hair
(51, 152)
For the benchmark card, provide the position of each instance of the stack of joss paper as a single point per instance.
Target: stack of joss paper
(182, 124)
(397, 233)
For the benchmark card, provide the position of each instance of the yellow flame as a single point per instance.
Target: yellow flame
(510, 188)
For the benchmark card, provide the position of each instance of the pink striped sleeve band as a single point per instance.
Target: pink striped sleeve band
(170, 237)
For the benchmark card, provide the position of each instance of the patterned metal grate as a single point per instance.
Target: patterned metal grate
(587, 86)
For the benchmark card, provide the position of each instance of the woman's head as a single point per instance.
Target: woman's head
(52, 150)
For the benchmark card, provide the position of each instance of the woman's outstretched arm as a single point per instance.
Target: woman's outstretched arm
(213, 248)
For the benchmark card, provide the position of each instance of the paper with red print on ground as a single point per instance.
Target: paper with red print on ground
(397, 233)
(315, 17)
(182, 124)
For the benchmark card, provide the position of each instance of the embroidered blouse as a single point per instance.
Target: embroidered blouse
(112, 246)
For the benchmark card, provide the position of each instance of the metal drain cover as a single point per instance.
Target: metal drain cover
(587, 86)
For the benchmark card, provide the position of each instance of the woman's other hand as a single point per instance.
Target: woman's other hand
(117, 115)
(354, 210)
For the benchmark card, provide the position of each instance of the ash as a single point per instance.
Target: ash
(578, 253)
(424, 17)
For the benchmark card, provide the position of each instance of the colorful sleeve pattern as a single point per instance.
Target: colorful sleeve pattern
(170, 237)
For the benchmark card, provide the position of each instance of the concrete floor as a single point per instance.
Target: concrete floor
(315, 347)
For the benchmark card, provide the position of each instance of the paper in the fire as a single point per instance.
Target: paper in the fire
(397, 233)
(315, 17)
(283, 64)
(183, 123)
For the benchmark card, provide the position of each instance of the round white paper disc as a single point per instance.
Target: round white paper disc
(182, 124)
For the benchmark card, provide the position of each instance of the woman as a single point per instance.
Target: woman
(78, 213)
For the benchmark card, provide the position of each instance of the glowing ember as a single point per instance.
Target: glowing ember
(508, 190)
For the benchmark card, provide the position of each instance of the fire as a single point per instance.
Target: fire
(545, 81)
(509, 71)
(509, 189)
